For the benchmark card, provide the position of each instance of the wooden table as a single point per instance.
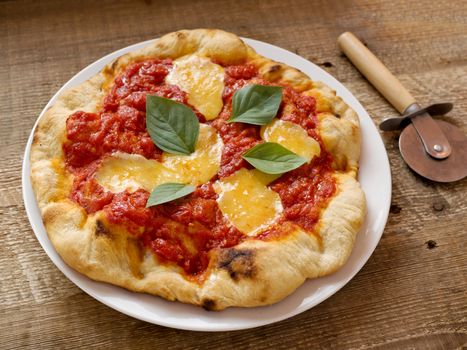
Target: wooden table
(412, 293)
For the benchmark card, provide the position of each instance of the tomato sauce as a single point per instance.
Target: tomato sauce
(184, 231)
(305, 191)
(237, 137)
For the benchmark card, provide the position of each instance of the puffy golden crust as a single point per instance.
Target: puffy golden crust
(225, 48)
(251, 274)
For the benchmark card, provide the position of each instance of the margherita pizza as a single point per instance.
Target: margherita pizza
(197, 170)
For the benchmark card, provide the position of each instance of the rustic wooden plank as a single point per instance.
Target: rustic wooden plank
(411, 293)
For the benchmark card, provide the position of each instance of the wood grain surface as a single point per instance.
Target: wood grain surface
(412, 293)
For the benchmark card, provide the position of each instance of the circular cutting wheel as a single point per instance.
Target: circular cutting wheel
(452, 168)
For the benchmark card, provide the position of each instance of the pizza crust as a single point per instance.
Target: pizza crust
(250, 274)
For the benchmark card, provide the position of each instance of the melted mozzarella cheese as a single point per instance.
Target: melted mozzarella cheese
(130, 171)
(247, 202)
(292, 137)
(203, 163)
(202, 80)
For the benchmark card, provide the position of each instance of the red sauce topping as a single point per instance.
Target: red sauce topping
(305, 191)
(184, 231)
(121, 124)
(301, 110)
(87, 192)
(237, 137)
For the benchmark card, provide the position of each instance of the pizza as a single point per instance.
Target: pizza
(196, 170)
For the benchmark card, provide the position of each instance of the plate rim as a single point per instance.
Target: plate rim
(30, 203)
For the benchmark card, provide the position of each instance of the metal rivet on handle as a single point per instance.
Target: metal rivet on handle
(438, 148)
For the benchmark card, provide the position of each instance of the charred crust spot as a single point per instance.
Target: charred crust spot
(239, 263)
(274, 68)
(35, 138)
(337, 115)
(101, 230)
(110, 71)
(298, 71)
(208, 304)
(181, 35)
(355, 130)
(114, 64)
(48, 217)
(344, 163)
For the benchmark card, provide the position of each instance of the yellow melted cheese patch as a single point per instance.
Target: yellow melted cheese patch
(130, 171)
(200, 166)
(202, 80)
(292, 137)
(247, 202)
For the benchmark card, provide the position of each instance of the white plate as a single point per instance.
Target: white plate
(375, 178)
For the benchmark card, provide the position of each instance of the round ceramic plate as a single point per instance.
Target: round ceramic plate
(375, 179)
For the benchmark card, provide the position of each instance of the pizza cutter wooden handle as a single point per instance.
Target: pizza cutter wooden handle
(375, 71)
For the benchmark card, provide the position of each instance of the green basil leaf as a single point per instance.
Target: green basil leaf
(272, 158)
(256, 104)
(173, 127)
(168, 192)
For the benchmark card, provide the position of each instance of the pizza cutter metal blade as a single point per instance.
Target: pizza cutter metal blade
(434, 149)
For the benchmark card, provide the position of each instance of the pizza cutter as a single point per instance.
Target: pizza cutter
(434, 149)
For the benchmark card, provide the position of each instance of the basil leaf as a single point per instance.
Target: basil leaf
(272, 158)
(256, 104)
(168, 192)
(173, 127)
